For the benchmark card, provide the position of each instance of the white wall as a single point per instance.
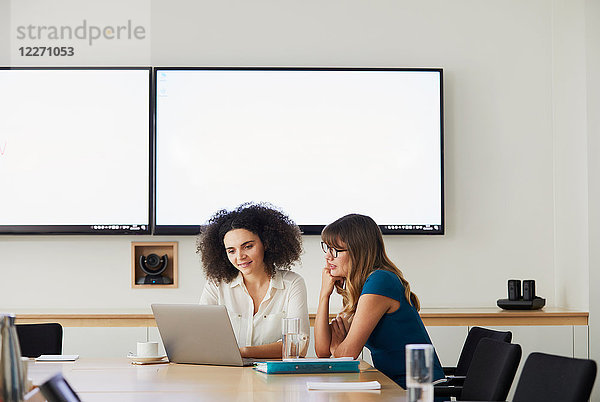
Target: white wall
(515, 144)
(570, 151)
(592, 30)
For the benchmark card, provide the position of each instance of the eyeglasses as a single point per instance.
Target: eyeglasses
(333, 251)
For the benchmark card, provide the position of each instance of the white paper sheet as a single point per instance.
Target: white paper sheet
(344, 385)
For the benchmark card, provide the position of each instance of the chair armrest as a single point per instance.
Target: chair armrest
(458, 380)
(447, 390)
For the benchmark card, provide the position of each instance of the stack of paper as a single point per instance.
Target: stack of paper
(57, 358)
(345, 386)
(319, 360)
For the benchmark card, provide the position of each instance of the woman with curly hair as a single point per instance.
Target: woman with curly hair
(379, 309)
(247, 254)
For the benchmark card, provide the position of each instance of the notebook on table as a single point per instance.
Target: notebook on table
(198, 334)
(306, 366)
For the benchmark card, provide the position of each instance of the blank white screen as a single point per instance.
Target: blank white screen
(74, 147)
(319, 144)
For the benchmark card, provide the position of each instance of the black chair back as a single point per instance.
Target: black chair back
(492, 371)
(40, 339)
(548, 377)
(475, 335)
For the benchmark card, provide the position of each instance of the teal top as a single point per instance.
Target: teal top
(395, 330)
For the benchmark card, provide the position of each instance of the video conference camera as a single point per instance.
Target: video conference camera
(153, 266)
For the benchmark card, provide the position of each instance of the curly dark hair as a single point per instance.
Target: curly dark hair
(280, 236)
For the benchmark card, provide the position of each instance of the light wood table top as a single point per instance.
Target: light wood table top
(431, 317)
(119, 380)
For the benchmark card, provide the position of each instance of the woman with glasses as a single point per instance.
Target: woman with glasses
(379, 309)
(246, 255)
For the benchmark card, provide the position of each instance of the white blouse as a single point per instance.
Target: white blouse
(285, 297)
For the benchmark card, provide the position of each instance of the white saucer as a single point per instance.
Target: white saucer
(145, 359)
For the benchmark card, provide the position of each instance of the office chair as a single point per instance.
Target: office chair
(456, 375)
(555, 378)
(40, 339)
(490, 375)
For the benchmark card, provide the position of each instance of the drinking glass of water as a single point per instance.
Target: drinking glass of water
(291, 338)
(419, 373)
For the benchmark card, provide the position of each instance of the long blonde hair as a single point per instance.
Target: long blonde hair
(360, 235)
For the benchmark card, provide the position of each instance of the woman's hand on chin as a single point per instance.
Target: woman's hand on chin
(328, 282)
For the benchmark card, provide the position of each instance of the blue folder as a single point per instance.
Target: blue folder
(308, 367)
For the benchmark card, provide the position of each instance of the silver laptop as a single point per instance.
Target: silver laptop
(198, 334)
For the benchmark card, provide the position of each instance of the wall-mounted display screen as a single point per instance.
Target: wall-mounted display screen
(318, 143)
(75, 150)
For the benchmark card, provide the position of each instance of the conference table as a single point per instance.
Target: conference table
(116, 379)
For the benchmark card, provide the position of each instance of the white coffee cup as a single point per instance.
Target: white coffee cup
(147, 349)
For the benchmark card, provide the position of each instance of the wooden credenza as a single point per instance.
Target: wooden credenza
(431, 317)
